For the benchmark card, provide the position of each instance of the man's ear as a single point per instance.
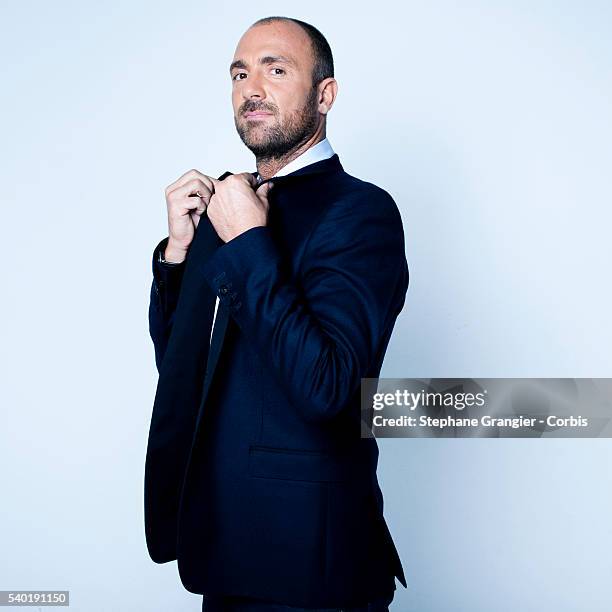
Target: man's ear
(327, 94)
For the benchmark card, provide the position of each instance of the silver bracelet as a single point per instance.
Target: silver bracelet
(168, 263)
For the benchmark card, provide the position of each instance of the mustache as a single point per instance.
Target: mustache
(251, 107)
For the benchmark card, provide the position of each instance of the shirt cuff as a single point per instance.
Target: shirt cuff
(167, 276)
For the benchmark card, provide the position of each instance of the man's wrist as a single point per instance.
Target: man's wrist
(172, 254)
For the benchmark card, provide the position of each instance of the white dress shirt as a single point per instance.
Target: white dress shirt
(322, 150)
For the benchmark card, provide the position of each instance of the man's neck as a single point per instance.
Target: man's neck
(270, 166)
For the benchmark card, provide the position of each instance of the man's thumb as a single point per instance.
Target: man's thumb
(264, 189)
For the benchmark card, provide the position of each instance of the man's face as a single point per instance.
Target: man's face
(275, 104)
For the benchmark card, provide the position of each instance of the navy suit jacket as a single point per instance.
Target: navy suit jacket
(257, 478)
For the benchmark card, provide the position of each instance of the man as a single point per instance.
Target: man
(257, 479)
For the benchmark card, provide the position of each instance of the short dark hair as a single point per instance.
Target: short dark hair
(323, 59)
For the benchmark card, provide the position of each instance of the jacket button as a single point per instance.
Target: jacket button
(223, 290)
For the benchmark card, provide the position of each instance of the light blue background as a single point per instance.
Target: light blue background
(489, 123)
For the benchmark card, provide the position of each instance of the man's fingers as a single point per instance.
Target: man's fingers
(197, 212)
(184, 178)
(263, 190)
(190, 188)
(264, 187)
(190, 175)
(250, 178)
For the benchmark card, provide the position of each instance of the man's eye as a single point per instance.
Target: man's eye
(235, 77)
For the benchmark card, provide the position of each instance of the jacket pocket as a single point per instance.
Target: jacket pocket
(297, 464)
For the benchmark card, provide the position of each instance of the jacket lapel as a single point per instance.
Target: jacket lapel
(218, 334)
(222, 318)
(219, 327)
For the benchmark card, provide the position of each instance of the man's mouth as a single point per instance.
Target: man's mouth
(257, 114)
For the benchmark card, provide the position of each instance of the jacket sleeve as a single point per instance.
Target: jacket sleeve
(165, 287)
(319, 329)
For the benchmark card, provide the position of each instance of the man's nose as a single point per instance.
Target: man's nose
(253, 88)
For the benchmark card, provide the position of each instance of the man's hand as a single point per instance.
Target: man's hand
(185, 207)
(236, 206)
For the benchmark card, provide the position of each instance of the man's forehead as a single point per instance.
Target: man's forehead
(274, 39)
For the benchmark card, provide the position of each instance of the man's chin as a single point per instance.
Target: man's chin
(257, 141)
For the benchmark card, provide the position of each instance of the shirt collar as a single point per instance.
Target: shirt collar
(322, 150)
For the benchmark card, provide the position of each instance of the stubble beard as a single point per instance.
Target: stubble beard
(281, 138)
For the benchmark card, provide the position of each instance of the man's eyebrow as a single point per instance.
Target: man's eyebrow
(267, 59)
